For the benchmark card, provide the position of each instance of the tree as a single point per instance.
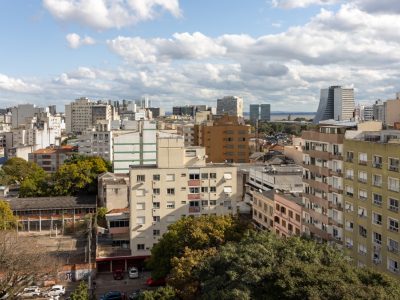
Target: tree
(181, 276)
(22, 263)
(7, 219)
(199, 233)
(18, 169)
(81, 292)
(162, 293)
(264, 266)
(78, 175)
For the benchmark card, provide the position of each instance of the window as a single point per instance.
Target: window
(140, 220)
(377, 238)
(170, 204)
(156, 177)
(170, 219)
(349, 206)
(156, 205)
(119, 223)
(227, 176)
(140, 178)
(363, 195)
(194, 190)
(393, 265)
(140, 206)
(393, 164)
(393, 245)
(297, 217)
(362, 177)
(393, 225)
(290, 214)
(204, 203)
(213, 189)
(377, 162)
(349, 174)
(170, 191)
(362, 212)
(393, 204)
(204, 175)
(170, 177)
(156, 232)
(213, 175)
(362, 249)
(393, 184)
(140, 192)
(213, 202)
(362, 158)
(349, 225)
(377, 180)
(349, 190)
(156, 218)
(156, 191)
(349, 156)
(190, 153)
(194, 176)
(183, 202)
(362, 231)
(204, 189)
(377, 218)
(140, 246)
(377, 199)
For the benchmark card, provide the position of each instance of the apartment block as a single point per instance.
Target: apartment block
(52, 158)
(323, 196)
(181, 184)
(231, 106)
(277, 212)
(260, 112)
(226, 139)
(371, 199)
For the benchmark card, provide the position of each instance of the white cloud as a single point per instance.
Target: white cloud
(287, 4)
(75, 41)
(106, 14)
(17, 85)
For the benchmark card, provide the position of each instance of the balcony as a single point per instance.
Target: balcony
(377, 165)
(193, 196)
(394, 168)
(317, 154)
(349, 159)
(392, 249)
(362, 180)
(194, 182)
(362, 198)
(323, 137)
(393, 229)
(393, 208)
(362, 162)
(194, 209)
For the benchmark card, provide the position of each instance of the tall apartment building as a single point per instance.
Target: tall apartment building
(231, 106)
(371, 199)
(323, 199)
(23, 114)
(335, 103)
(187, 131)
(260, 112)
(226, 139)
(392, 110)
(378, 111)
(181, 184)
(83, 113)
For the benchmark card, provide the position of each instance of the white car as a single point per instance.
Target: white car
(133, 273)
(30, 292)
(56, 290)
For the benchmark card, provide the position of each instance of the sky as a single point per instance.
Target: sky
(179, 52)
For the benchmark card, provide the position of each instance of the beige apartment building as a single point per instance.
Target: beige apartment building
(371, 199)
(181, 184)
(323, 199)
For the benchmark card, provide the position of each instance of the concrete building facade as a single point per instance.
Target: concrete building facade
(181, 184)
(260, 112)
(51, 159)
(231, 106)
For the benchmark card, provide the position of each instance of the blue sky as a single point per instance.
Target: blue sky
(280, 52)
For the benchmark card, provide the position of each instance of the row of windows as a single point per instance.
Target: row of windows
(393, 225)
(171, 177)
(377, 199)
(192, 190)
(393, 163)
(119, 223)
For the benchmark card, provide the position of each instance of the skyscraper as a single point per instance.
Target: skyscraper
(335, 103)
(230, 105)
(260, 112)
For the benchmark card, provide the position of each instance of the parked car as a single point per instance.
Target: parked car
(113, 295)
(118, 274)
(29, 292)
(56, 290)
(159, 282)
(133, 273)
(135, 295)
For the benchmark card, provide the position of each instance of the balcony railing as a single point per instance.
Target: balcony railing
(377, 165)
(394, 208)
(362, 162)
(394, 168)
(194, 209)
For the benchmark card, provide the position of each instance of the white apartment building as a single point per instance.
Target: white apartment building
(84, 113)
(181, 184)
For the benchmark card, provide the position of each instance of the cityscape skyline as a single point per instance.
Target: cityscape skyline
(121, 50)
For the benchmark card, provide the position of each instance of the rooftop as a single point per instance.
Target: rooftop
(67, 148)
(63, 202)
